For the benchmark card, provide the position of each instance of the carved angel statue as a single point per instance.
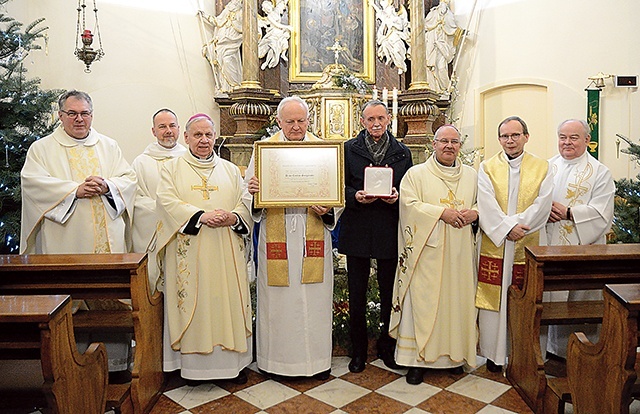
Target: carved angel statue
(393, 36)
(223, 51)
(275, 42)
(441, 30)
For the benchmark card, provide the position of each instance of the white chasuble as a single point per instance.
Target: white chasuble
(496, 225)
(586, 186)
(206, 287)
(53, 221)
(147, 167)
(433, 315)
(294, 322)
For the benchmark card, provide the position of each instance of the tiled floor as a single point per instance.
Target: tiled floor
(376, 390)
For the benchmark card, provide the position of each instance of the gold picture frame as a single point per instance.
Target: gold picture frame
(350, 22)
(299, 174)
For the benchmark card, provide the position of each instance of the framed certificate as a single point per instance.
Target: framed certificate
(299, 174)
(378, 181)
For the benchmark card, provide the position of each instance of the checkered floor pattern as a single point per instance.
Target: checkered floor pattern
(376, 390)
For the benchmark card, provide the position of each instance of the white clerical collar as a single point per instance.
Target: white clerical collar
(514, 162)
(576, 160)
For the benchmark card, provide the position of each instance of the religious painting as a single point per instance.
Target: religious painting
(323, 26)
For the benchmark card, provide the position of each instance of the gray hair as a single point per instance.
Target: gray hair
(373, 102)
(525, 130)
(585, 126)
(292, 98)
(196, 118)
(435, 136)
(75, 94)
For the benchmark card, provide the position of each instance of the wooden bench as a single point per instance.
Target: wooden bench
(41, 327)
(555, 268)
(102, 276)
(608, 367)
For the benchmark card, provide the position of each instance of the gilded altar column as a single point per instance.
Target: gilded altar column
(250, 34)
(418, 49)
(249, 105)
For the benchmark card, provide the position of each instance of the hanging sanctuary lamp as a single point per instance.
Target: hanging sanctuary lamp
(85, 52)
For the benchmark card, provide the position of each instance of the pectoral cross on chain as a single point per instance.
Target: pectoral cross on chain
(451, 201)
(205, 188)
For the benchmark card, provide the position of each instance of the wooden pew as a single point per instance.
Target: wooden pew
(102, 276)
(553, 268)
(40, 326)
(601, 376)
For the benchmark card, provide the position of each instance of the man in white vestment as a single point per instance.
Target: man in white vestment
(582, 213)
(77, 197)
(147, 167)
(295, 271)
(207, 332)
(514, 200)
(433, 315)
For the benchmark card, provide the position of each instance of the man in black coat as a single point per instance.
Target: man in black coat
(369, 228)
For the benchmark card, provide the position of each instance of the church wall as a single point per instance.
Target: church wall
(152, 60)
(559, 44)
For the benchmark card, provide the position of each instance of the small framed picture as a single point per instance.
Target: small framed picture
(378, 181)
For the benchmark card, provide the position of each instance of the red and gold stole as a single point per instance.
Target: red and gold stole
(277, 263)
(532, 172)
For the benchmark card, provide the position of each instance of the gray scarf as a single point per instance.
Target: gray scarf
(377, 149)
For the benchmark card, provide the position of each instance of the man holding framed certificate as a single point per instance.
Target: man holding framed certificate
(295, 267)
(369, 227)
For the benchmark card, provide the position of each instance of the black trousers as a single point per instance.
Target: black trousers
(358, 270)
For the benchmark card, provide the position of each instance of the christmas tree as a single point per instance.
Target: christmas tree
(626, 220)
(25, 116)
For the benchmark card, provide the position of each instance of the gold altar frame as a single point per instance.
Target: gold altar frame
(316, 169)
(296, 73)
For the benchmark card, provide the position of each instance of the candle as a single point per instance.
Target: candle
(385, 96)
(394, 126)
(375, 93)
(394, 102)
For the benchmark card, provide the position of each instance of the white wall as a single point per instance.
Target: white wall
(152, 60)
(561, 44)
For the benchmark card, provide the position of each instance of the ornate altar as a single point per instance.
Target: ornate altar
(334, 111)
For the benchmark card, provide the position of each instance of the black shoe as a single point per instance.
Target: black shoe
(388, 359)
(492, 367)
(195, 383)
(456, 370)
(415, 376)
(357, 363)
(324, 375)
(240, 379)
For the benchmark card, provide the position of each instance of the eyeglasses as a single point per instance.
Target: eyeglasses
(453, 142)
(74, 114)
(515, 137)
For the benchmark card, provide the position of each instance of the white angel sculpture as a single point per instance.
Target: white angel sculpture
(441, 30)
(275, 42)
(393, 36)
(223, 51)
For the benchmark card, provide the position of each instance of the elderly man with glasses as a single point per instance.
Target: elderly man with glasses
(514, 201)
(77, 195)
(433, 315)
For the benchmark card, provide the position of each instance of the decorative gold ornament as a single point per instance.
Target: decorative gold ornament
(85, 52)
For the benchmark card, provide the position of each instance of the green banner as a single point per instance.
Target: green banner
(593, 118)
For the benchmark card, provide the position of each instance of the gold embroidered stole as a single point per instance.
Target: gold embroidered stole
(84, 162)
(532, 172)
(277, 263)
